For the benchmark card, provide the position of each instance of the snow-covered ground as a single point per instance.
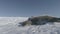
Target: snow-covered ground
(9, 25)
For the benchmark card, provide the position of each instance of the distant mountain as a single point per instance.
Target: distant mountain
(40, 20)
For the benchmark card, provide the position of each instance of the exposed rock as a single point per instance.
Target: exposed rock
(40, 20)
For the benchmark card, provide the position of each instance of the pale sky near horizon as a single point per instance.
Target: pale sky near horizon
(29, 7)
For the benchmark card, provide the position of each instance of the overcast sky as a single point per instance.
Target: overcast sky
(29, 7)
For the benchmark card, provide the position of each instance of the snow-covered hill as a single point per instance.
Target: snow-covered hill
(9, 25)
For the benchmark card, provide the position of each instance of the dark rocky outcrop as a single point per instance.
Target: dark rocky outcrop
(40, 20)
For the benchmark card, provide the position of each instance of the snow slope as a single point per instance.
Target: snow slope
(6, 20)
(9, 25)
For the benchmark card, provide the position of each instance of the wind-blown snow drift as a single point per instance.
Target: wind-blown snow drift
(8, 25)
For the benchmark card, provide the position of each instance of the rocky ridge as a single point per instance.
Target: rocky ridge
(40, 20)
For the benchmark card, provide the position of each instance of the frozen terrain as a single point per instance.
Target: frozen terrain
(9, 25)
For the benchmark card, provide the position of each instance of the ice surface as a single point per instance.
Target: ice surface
(9, 25)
